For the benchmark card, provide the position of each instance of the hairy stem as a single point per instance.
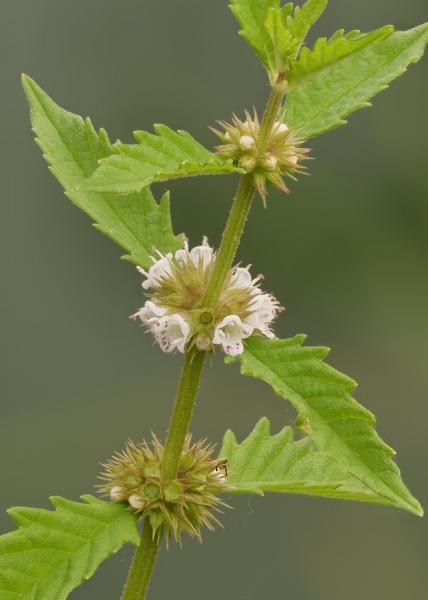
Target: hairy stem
(240, 208)
(145, 556)
(142, 565)
(183, 411)
(231, 238)
(269, 117)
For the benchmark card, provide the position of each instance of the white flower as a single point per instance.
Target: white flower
(230, 333)
(159, 270)
(264, 310)
(199, 256)
(175, 315)
(150, 313)
(202, 255)
(171, 332)
(241, 278)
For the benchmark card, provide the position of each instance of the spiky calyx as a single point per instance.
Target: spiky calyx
(174, 507)
(281, 158)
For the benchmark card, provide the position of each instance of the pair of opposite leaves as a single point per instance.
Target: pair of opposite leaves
(342, 457)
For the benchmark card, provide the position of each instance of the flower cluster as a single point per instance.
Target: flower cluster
(280, 157)
(181, 505)
(174, 313)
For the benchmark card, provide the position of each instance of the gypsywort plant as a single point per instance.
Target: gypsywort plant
(199, 301)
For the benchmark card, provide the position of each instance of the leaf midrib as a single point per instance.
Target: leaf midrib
(325, 107)
(325, 66)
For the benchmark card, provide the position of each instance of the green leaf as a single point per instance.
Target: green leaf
(340, 76)
(73, 148)
(276, 32)
(340, 427)
(157, 157)
(52, 552)
(284, 45)
(279, 463)
(252, 15)
(303, 19)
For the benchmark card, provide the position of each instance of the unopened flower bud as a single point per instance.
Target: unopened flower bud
(282, 157)
(247, 162)
(116, 493)
(280, 127)
(204, 342)
(247, 142)
(136, 502)
(270, 163)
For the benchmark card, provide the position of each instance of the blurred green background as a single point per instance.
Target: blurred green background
(346, 253)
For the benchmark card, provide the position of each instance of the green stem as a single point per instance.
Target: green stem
(231, 238)
(270, 116)
(142, 565)
(240, 208)
(145, 556)
(183, 411)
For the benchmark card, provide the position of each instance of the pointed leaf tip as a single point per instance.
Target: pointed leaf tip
(73, 149)
(342, 430)
(339, 75)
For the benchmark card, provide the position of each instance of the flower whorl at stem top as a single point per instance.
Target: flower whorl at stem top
(174, 315)
(281, 155)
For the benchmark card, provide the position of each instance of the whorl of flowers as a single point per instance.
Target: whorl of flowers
(281, 157)
(173, 314)
(177, 506)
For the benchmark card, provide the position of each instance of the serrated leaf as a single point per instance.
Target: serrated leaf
(330, 50)
(52, 552)
(284, 45)
(157, 157)
(276, 32)
(339, 426)
(73, 148)
(252, 15)
(280, 464)
(340, 76)
(303, 18)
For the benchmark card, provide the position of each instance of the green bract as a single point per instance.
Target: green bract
(52, 552)
(340, 427)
